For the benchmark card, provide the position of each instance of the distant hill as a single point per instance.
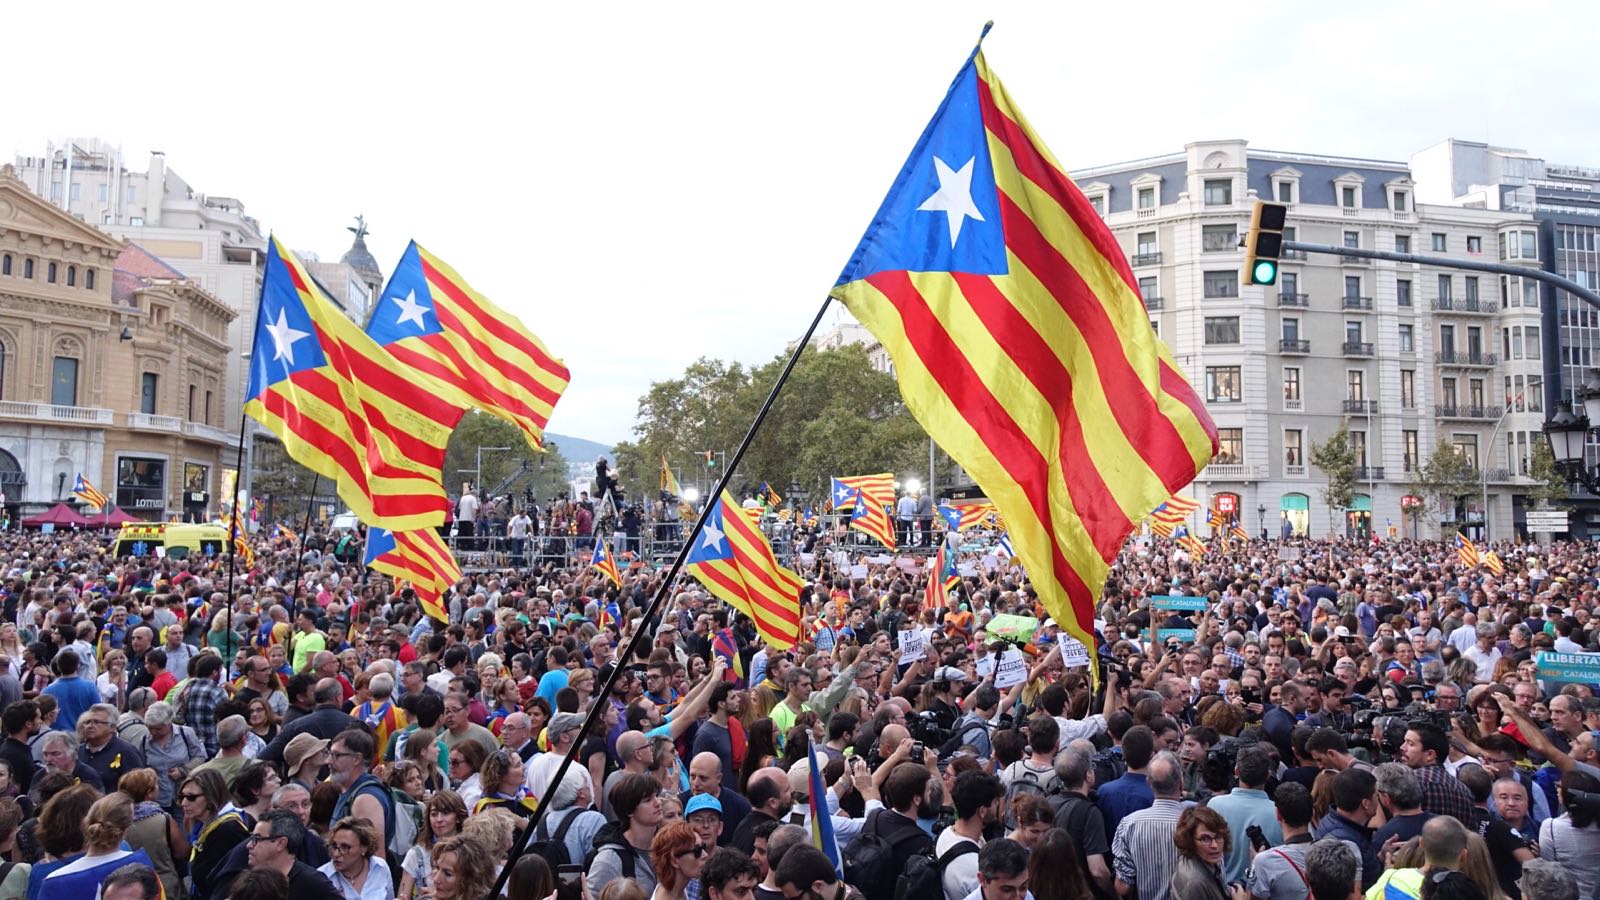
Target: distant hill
(577, 450)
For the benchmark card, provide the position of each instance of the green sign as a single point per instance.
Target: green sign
(1580, 667)
(1016, 628)
(1166, 634)
(1190, 604)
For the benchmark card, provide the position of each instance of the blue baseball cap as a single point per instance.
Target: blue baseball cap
(700, 803)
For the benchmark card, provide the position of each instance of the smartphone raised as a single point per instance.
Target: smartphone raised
(570, 874)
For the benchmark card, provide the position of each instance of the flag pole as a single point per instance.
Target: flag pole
(597, 711)
(233, 544)
(299, 565)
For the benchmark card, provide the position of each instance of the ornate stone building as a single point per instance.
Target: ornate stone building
(112, 364)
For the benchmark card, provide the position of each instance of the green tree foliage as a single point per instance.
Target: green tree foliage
(835, 416)
(1445, 478)
(1336, 459)
(1549, 485)
(547, 473)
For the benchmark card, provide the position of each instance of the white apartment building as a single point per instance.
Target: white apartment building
(1402, 353)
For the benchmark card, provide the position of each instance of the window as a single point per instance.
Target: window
(1447, 338)
(1400, 201)
(1355, 382)
(64, 381)
(1352, 239)
(1519, 245)
(1222, 329)
(1444, 288)
(1475, 395)
(27, 268)
(55, 192)
(1294, 447)
(5, 264)
(1352, 285)
(1288, 235)
(1147, 198)
(103, 192)
(88, 279)
(1347, 197)
(1408, 343)
(192, 391)
(1467, 446)
(1222, 384)
(132, 193)
(1289, 283)
(72, 276)
(1438, 242)
(1222, 284)
(1219, 238)
(1535, 393)
(1402, 243)
(1474, 244)
(1285, 191)
(1530, 293)
(76, 192)
(1147, 288)
(1291, 386)
(1505, 342)
(1146, 243)
(1291, 329)
(1530, 250)
(1352, 332)
(1447, 391)
(1402, 291)
(1408, 389)
(1098, 204)
(1474, 340)
(1530, 336)
(50, 273)
(1516, 342)
(1219, 192)
(1230, 446)
(1409, 450)
(136, 221)
(206, 413)
(1358, 443)
(147, 393)
(1472, 289)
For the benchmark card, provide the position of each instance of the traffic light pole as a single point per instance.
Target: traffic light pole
(1447, 262)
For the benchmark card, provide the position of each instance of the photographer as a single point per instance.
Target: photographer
(1424, 750)
(1277, 874)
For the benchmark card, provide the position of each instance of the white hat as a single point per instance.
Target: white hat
(949, 673)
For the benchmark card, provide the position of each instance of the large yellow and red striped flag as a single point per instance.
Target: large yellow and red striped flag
(1021, 345)
(433, 321)
(1467, 551)
(877, 488)
(732, 558)
(343, 406)
(420, 558)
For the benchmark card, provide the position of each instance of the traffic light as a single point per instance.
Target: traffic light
(711, 459)
(1264, 243)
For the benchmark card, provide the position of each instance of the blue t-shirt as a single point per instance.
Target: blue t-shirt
(551, 682)
(73, 696)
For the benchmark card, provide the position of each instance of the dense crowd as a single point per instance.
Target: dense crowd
(1342, 718)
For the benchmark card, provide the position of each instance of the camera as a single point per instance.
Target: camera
(924, 727)
(916, 752)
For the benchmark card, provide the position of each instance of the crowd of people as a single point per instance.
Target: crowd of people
(1340, 719)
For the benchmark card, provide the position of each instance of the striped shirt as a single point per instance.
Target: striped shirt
(1143, 853)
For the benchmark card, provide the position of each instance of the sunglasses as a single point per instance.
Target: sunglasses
(696, 850)
(188, 797)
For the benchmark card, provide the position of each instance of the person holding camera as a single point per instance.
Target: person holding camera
(1246, 806)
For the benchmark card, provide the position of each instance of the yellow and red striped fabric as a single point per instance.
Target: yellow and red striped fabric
(1192, 544)
(876, 488)
(872, 519)
(430, 319)
(1491, 561)
(1024, 348)
(974, 515)
(344, 407)
(1467, 551)
(420, 558)
(1162, 527)
(732, 558)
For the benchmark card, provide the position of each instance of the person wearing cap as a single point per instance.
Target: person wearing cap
(560, 735)
(704, 815)
(303, 759)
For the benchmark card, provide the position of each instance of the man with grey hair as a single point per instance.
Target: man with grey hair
(1484, 654)
(1081, 818)
(571, 820)
(230, 756)
(1545, 880)
(516, 734)
(130, 725)
(1333, 870)
(314, 852)
(102, 750)
(1401, 797)
(1142, 850)
(60, 752)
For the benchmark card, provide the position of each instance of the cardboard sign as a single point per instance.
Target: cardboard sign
(991, 562)
(1073, 652)
(966, 570)
(880, 560)
(858, 571)
(1190, 604)
(1012, 670)
(1583, 668)
(912, 646)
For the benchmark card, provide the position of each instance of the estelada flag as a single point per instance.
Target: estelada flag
(732, 558)
(603, 560)
(433, 321)
(1467, 551)
(343, 406)
(419, 558)
(1021, 345)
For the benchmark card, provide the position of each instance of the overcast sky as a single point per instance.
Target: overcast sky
(648, 183)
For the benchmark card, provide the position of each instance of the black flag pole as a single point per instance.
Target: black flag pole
(597, 712)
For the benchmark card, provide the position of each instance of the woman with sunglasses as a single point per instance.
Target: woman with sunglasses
(466, 761)
(677, 855)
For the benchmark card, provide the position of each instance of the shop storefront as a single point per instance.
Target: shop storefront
(196, 491)
(142, 486)
(1294, 512)
(1358, 518)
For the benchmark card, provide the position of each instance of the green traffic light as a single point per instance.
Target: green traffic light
(1265, 272)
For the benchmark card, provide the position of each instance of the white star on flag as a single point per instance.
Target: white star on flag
(411, 310)
(713, 537)
(284, 337)
(954, 197)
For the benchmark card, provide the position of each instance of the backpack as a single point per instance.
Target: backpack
(958, 737)
(611, 835)
(869, 862)
(924, 875)
(554, 849)
(407, 822)
(1024, 780)
(1108, 766)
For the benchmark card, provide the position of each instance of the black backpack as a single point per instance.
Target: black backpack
(554, 849)
(924, 875)
(1108, 766)
(869, 861)
(958, 737)
(612, 835)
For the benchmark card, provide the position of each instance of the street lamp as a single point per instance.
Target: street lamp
(1567, 434)
(1261, 516)
(691, 495)
(913, 485)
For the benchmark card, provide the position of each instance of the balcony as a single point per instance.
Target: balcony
(1357, 348)
(1361, 407)
(1369, 473)
(1453, 411)
(1349, 260)
(1292, 254)
(1222, 292)
(1146, 259)
(1465, 358)
(1147, 212)
(1351, 211)
(1294, 345)
(1152, 303)
(1295, 404)
(148, 422)
(1356, 302)
(208, 433)
(1294, 471)
(1294, 300)
(1218, 243)
(45, 412)
(1462, 305)
(1233, 472)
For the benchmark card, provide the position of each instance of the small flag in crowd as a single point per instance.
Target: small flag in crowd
(1239, 532)
(1217, 519)
(83, 490)
(605, 562)
(1491, 561)
(419, 558)
(1466, 551)
(724, 645)
(942, 577)
(951, 516)
(1192, 544)
(284, 531)
(872, 519)
(1005, 546)
(821, 820)
(1182, 506)
(669, 481)
(770, 496)
(1163, 527)
(732, 558)
(609, 616)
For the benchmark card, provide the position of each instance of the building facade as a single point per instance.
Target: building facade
(1402, 354)
(112, 364)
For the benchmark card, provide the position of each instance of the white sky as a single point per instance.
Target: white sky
(648, 183)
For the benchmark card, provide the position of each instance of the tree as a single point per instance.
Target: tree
(1445, 478)
(547, 474)
(1549, 485)
(1337, 461)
